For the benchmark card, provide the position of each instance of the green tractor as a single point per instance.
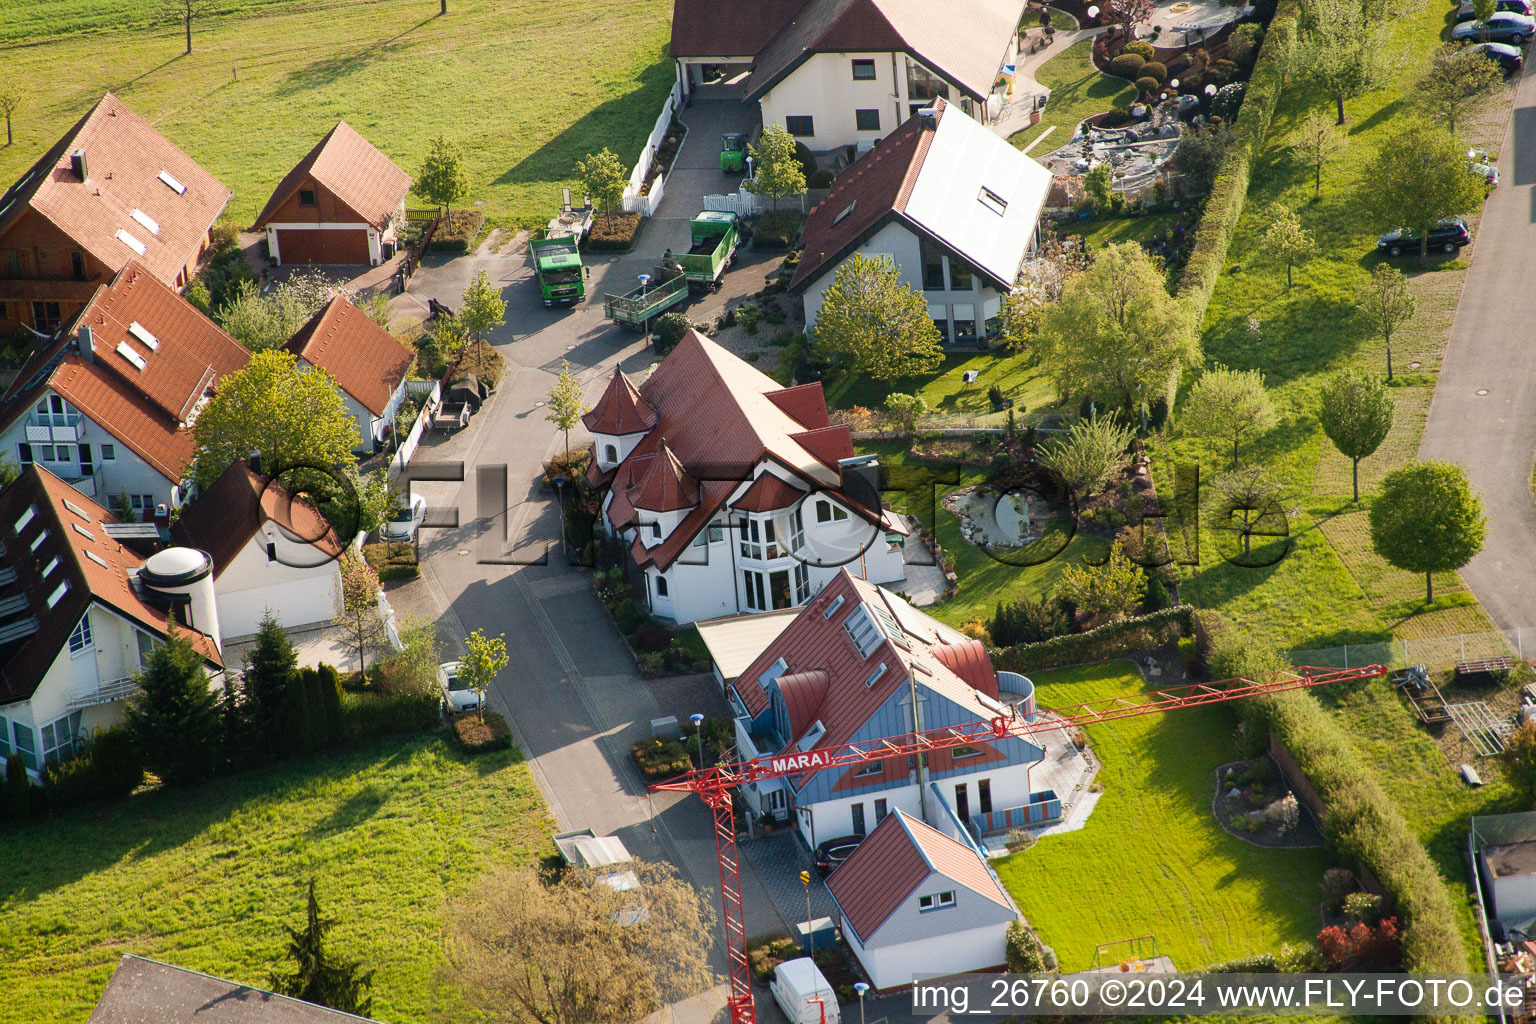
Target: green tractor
(733, 152)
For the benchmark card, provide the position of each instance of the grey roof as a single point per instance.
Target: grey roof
(148, 992)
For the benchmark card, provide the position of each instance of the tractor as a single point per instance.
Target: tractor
(733, 152)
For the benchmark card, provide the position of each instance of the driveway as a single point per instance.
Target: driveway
(1484, 411)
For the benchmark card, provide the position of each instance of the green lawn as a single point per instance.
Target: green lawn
(1152, 859)
(205, 878)
(1099, 233)
(947, 393)
(524, 87)
(1078, 91)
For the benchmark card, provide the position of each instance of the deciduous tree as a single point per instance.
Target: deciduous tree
(267, 320)
(483, 309)
(357, 609)
(1519, 759)
(1112, 590)
(1356, 414)
(1200, 154)
(906, 409)
(320, 977)
(484, 658)
(1230, 405)
(10, 102)
(564, 406)
(1090, 454)
(174, 717)
(776, 170)
(1420, 177)
(1340, 50)
(1427, 519)
(1117, 334)
(578, 951)
(1130, 13)
(1457, 82)
(1286, 242)
(1250, 503)
(1318, 140)
(185, 12)
(876, 323)
(1386, 304)
(1057, 261)
(603, 177)
(442, 180)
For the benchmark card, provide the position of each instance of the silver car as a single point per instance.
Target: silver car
(456, 694)
(1503, 27)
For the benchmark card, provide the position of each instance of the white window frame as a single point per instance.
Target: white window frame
(81, 639)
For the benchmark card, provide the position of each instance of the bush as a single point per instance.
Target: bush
(629, 614)
(1140, 47)
(1147, 85)
(653, 638)
(778, 230)
(1155, 69)
(821, 179)
(572, 466)
(457, 231)
(1111, 640)
(1244, 41)
(669, 330)
(1337, 884)
(108, 768)
(1025, 954)
(768, 954)
(475, 736)
(748, 315)
(224, 233)
(364, 716)
(614, 233)
(1362, 948)
(1126, 65)
(1362, 908)
(1227, 101)
(661, 758)
(807, 161)
(1026, 620)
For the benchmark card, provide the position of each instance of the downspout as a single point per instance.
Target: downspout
(896, 90)
(731, 542)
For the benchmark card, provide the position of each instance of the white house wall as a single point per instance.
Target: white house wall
(894, 965)
(127, 473)
(830, 819)
(250, 585)
(824, 89)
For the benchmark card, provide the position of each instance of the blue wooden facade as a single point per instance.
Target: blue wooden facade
(1043, 807)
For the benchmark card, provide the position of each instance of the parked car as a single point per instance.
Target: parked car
(407, 521)
(1505, 56)
(1503, 27)
(458, 696)
(832, 853)
(1468, 12)
(1482, 165)
(1447, 236)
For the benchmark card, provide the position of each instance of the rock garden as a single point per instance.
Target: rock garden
(1254, 803)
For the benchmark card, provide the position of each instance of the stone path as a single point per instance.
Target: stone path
(1015, 115)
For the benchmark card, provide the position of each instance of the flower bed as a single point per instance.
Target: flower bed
(661, 758)
(1253, 803)
(477, 734)
(457, 231)
(614, 232)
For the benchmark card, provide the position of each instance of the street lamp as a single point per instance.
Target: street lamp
(698, 730)
(805, 880)
(559, 483)
(645, 283)
(861, 987)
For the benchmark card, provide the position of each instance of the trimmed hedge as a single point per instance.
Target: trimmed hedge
(615, 233)
(366, 716)
(1111, 640)
(1126, 65)
(457, 230)
(1213, 235)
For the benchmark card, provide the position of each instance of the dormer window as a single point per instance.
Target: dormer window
(656, 530)
(610, 454)
(772, 672)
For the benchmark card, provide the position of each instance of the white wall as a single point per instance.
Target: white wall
(127, 472)
(830, 819)
(897, 965)
(824, 88)
(250, 585)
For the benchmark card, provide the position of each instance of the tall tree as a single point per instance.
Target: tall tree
(270, 666)
(1356, 414)
(483, 309)
(1318, 140)
(1456, 83)
(185, 11)
(1386, 304)
(1130, 13)
(1090, 454)
(1340, 51)
(776, 170)
(564, 406)
(174, 715)
(294, 417)
(1111, 590)
(1420, 177)
(1117, 334)
(1286, 242)
(484, 658)
(876, 323)
(442, 180)
(266, 320)
(357, 609)
(10, 102)
(319, 977)
(579, 951)
(1427, 519)
(603, 177)
(1229, 404)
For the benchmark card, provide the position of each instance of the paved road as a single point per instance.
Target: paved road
(1484, 411)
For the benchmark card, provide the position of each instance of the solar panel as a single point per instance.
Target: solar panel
(126, 351)
(175, 185)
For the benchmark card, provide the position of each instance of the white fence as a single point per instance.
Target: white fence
(434, 392)
(745, 204)
(646, 204)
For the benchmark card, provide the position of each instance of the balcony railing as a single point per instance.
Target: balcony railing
(106, 693)
(42, 430)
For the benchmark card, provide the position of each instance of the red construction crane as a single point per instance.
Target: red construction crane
(714, 784)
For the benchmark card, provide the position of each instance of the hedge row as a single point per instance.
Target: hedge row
(457, 230)
(1213, 235)
(1111, 640)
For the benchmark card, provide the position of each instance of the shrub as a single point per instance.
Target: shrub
(1026, 620)
(821, 179)
(1025, 954)
(1111, 640)
(475, 736)
(1362, 948)
(199, 296)
(778, 230)
(108, 768)
(1227, 101)
(807, 161)
(653, 638)
(224, 233)
(748, 315)
(1244, 41)
(1126, 65)
(364, 716)
(669, 330)
(1362, 908)
(661, 758)
(628, 614)
(572, 466)
(1140, 47)
(614, 233)
(1155, 69)
(1146, 85)
(1337, 884)
(458, 230)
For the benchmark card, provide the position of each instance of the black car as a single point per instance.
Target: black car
(1505, 56)
(1447, 236)
(1467, 12)
(833, 852)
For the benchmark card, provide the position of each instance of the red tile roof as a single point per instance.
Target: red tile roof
(665, 485)
(54, 530)
(894, 861)
(712, 495)
(804, 403)
(621, 410)
(768, 493)
(825, 26)
(829, 444)
(365, 360)
(190, 351)
(727, 28)
(124, 160)
(224, 518)
(124, 413)
(352, 170)
(872, 189)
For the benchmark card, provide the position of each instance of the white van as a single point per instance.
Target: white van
(803, 994)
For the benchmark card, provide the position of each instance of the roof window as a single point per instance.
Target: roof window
(175, 186)
(131, 242)
(863, 630)
(141, 332)
(127, 352)
(58, 593)
(144, 219)
(773, 672)
(812, 736)
(992, 201)
(874, 677)
(93, 556)
(82, 531)
(832, 608)
(76, 509)
(37, 541)
(25, 518)
(844, 212)
(53, 563)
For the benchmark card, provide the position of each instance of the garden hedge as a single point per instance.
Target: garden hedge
(457, 230)
(1213, 235)
(1111, 640)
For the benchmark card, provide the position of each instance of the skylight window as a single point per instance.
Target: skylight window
(76, 509)
(874, 677)
(82, 531)
(773, 672)
(53, 564)
(131, 242)
(93, 556)
(992, 201)
(844, 212)
(37, 541)
(141, 332)
(863, 630)
(175, 185)
(146, 220)
(812, 736)
(127, 352)
(25, 518)
(833, 607)
(58, 593)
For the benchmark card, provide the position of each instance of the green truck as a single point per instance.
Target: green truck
(557, 265)
(714, 237)
(667, 286)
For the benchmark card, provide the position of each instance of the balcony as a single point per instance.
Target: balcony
(106, 693)
(46, 429)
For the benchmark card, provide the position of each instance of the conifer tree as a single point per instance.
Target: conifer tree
(174, 718)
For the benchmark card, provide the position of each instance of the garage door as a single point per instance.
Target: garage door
(307, 245)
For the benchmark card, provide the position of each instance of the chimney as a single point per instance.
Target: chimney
(86, 340)
(253, 460)
(77, 164)
(930, 116)
(861, 479)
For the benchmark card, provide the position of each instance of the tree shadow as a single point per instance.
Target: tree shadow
(328, 70)
(145, 74)
(1386, 113)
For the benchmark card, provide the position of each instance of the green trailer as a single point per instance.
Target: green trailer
(715, 235)
(667, 287)
(557, 267)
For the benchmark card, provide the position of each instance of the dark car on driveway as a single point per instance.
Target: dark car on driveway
(1505, 56)
(1447, 236)
(1468, 12)
(833, 852)
(1503, 27)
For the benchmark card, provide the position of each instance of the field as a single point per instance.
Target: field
(206, 878)
(1151, 859)
(524, 87)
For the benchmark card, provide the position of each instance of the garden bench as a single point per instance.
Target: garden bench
(1485, 670)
